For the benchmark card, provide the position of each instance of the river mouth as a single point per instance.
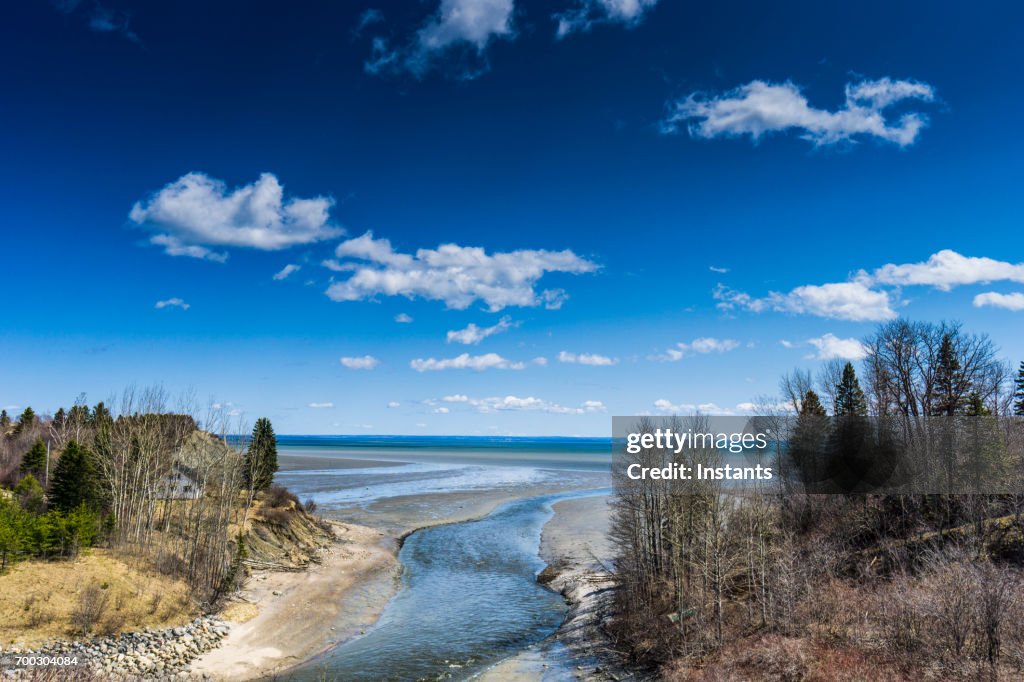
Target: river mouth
(469, 598)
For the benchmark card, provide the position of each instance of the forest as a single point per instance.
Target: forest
(833, 571)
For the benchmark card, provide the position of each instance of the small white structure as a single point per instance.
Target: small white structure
(181, 483)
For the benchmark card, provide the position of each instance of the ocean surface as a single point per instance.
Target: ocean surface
(340, 472)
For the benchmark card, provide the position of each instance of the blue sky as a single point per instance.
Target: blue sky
(648, 196)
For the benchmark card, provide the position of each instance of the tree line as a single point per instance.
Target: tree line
(144, 479)
(936, 578)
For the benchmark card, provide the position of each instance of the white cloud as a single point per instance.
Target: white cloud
(511, 403)
(196, 212)
(947, 269)
(587, 13)
(664, 406)
(441, 410)
(720, 271)
(700, 346)
(759, 107)
(540, 360)
(456, 275)
(393, 404)
(172, 303)
(854, 301)
(831, 346)
(465, 361)
(787, 344)
(287, 270)
(473, 334)
(402, 318)
(1014, 301)
(364, 362)
(463, 28)
(863, 298)
(587, 359)
(321, 406)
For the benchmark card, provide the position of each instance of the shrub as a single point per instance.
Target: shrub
(92, 604)
(279, 496)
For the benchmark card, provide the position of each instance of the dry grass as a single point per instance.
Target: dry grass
(42, 600)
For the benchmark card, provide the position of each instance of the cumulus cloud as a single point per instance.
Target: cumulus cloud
(947, 269)
(854, 301)
(460, 30)
(588, 13)
(1014, 301)
(466, 361)
(831, 347)
(364, 362)
(441, 410)
(393, 404)
(197, 212)
(456, 275)
(473, 334)
(700, 346)
(864, 298)
(759, 107)
(287, 270)
(664, 406)
(586, 359)
(172, 303)
(402, 318)
(511, 403)
(321, 406)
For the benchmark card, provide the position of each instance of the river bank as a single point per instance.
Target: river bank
(578, 553)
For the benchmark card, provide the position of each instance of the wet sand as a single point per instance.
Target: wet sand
(313, 462)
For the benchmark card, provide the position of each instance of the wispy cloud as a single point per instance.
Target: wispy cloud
(588, 13)
(360, 362)
(394, 404)
(457, 35)
(466, 361)
(699, 346)
(758, 108)
(172, 303)
(1014, 301)
(402, 318)
(287, 270)
(473, 334)
(456, 275)
(587, 359)
(196, 212)
(511, 403)
(321, 406)
(720, 271)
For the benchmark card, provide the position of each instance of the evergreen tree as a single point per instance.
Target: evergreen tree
(25, 421)
(976, 406)
(949, 396)
(5, 419)
(74, 480)
(34, 461)
(1018, 394)
(30, 494)
(811, 405)
(850, 398)
(261, 457)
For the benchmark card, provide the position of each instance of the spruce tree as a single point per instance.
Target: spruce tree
(850, 398)
(74, 480)
(948, 379)
(25, 421)
(811, 405)
(976, 406)
(261, 457)
(34, 461)
(1018, 394)
(5, 419)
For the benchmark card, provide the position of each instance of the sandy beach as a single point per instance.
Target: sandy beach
(283, 618)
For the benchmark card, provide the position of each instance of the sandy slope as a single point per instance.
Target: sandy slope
(303, 613)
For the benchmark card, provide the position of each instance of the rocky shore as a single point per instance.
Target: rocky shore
(149, 654)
